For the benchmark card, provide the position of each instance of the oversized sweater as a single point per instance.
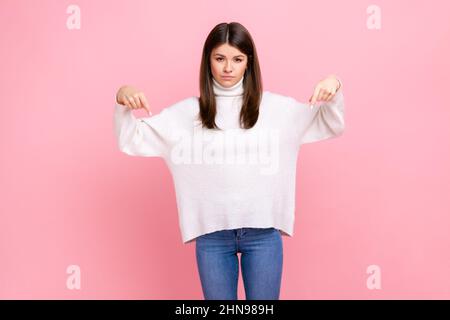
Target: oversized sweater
(233, 177)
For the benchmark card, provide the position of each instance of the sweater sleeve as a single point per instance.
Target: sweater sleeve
(325, 120)
(147, 137)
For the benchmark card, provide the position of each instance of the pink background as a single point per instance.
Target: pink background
(378, 195)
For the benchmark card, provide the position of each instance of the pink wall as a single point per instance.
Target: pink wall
(379, 195)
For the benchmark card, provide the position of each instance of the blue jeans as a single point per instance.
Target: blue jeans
(261, 262)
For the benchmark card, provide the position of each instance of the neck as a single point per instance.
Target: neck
(233, 91)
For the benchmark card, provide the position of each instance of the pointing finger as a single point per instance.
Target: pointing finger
(314, 97)
(145, 104)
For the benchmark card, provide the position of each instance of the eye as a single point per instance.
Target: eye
(220, 59)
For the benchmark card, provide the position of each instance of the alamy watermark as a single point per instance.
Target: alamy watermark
(258, 147)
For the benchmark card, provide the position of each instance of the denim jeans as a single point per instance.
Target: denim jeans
(261, 262)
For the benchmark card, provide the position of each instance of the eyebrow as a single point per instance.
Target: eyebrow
(218, 54)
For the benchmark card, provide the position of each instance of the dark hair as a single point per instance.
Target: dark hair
(237, 36)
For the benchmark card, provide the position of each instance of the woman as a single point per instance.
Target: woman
(232, 153)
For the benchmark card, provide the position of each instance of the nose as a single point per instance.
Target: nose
(228, 66)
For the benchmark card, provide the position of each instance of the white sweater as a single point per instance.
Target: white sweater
(231, 178)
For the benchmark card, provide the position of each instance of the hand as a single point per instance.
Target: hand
(325, 90)
(132, 98)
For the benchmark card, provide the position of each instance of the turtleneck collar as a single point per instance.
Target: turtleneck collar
(236, 90)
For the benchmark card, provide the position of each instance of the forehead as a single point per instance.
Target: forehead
(227, 50)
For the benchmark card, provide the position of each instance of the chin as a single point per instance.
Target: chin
(229, 83)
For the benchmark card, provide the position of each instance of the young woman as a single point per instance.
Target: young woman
(232, 154)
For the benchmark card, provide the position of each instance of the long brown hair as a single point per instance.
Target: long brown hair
(237, 36)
